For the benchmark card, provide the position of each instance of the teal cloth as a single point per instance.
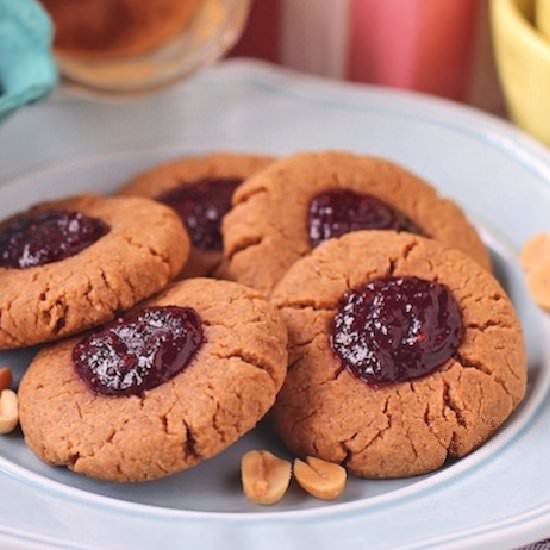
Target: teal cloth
(27, 67)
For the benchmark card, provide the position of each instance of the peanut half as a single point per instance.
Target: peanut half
(321, 479)
(9, 415)
(6, 379)
(265, 477)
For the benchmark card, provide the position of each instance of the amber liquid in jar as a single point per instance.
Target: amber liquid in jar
(117, 28)
(132, 45)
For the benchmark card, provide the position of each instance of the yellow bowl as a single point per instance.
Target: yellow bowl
(543, 17)
(523, 59)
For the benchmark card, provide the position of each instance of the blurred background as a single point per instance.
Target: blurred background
(432, 46)
(491, 54)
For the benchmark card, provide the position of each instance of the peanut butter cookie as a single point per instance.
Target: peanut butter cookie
(401, 353)
(171, 384)
(292, 206)
(69, 265)
(199, 189)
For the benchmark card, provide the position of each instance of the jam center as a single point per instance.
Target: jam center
(46, 237)
(335, 212)
(139, 352)
(202, 206)
(396, 329)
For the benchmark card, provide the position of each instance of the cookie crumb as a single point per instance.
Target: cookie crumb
(535, 259)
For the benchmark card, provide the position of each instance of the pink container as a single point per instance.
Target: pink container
(424, 45)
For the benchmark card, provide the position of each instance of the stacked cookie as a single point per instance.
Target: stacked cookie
(338, 291)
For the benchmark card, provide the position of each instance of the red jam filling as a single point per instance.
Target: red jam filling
(396, 329)
(139, 352)
(46, 237)
(202, 207)
(335, 212)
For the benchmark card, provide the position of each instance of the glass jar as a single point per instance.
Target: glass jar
(129, 46)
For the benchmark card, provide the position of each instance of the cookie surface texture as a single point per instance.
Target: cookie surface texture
(280, 214)
(410, 426)
(199, 189)
(227, 387)
(143, 247)
(535, 260)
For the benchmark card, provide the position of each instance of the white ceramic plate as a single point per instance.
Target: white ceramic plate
(498, 496)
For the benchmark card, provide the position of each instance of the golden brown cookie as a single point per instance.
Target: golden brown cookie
(200, 190)
(401, 353)
(188, 384)
(68, 265)
(535, 259)
(283, 212)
